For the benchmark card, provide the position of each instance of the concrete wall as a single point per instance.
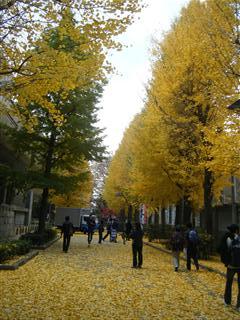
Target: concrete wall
(7, 226)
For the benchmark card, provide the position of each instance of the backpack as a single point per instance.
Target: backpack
(193, 237)
(224, 251)
(177, 241)
(235, 252)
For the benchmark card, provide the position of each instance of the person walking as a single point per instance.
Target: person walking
(109, 229)
(100, 231)
(233, 264)
(192, 242)
(67, 232)
(176, 242)
(114, 230)
(137, 245)
(91, 227)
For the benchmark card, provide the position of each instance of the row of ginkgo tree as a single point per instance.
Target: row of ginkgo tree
(184, 145)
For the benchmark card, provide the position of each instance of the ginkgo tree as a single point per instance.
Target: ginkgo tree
(30, 68)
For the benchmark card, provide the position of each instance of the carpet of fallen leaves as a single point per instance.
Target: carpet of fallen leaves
(97, 282)
(214, 261)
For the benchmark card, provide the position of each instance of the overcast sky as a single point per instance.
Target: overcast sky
(124, 94)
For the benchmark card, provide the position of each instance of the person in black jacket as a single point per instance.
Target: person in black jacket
(91, 227)
(100, 231)
(67, 231)
(233, 265)
(191, 245)
(109, 228)
(137, 245)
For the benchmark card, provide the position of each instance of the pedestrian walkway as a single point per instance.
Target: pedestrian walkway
(97, 282)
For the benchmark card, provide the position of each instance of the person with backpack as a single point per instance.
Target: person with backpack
(67, 231)
(191, 244)
(176, 243)
(233, 263)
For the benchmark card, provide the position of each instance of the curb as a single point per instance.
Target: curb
(47, 245)
(20, 262)
(182, 258)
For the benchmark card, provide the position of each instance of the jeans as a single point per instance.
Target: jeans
(228, 289)
(137, 255)
(66, 242)
(90, 236)
(192, 253)
(176, 255)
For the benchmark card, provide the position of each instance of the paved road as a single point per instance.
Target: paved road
(97, 282)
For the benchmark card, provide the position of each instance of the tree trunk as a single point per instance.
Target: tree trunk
(163, 220)
(45, 193)
(122, 219)
(187, 211)
(130, 209)
(183, 212)
(136, 215)
(178, 220)
(156, 218)
(208, 197)
(43, 210)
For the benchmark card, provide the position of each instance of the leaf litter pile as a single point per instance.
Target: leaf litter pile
(97, 282)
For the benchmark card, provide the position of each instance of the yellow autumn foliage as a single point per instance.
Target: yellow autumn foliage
(81, 196)
(31, 67)
(187, 142)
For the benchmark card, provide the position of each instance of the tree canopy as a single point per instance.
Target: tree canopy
(30, 67)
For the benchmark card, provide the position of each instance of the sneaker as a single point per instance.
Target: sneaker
(176, 269)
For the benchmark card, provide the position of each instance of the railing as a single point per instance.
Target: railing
(19, 230)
